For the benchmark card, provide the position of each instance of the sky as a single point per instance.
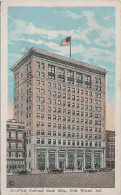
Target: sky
(92, 30)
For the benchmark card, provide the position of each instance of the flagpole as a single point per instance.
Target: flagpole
(70, 47)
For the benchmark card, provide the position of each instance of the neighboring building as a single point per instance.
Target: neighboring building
(62, 103)
(15, 146)
(110, 149)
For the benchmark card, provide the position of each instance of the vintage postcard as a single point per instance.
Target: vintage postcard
(60, 97)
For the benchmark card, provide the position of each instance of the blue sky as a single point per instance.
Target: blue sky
(92, 30)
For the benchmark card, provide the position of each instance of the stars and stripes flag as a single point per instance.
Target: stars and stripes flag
(66, 41)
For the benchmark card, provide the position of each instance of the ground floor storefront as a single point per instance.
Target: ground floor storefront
(14, 165)
(68, 159)
(110, 163)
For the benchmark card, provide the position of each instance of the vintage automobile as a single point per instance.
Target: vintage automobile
(105, 169)
(91, 170)
(56, 171)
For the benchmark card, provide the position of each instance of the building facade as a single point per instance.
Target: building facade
(62, 103)
(110, 149)
(15, 146)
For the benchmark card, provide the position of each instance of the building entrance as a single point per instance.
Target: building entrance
(61, 164)
(79, 163)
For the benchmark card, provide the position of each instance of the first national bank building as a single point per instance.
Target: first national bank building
(62, 103)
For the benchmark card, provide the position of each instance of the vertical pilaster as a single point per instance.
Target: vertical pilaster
(92, 160)
(47, 159)
(66, 159)
(57, 159)
(75, 160)
(84, 161)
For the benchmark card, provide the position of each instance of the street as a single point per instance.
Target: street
(63, 180)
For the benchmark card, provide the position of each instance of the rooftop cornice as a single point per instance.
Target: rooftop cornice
(57, 58)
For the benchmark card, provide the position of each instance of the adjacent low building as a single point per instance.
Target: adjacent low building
(62, 103)
(110, 149)
(15, 145)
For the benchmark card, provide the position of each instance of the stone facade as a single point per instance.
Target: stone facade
(15, 146)
(62, 103)
(110, 149)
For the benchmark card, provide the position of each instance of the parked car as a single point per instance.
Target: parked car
(91, 170)
(22, 172)
(56, 171)
(105, 169)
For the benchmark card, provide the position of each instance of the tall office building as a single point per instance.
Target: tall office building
(62, 103)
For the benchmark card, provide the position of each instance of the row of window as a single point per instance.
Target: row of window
(64, 134)
(82, 114)
(15, 135)
(15, 145)
(73, 127)
(68, 142)
(15, 154)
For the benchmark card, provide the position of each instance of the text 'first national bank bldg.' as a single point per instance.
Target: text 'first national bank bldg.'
(63, 104)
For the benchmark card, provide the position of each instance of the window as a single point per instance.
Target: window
(64, 142)
(51, 72)
(49, 133)
(49, 84)
(42, 124)
(90, 143)
(42, 99)
(13, 145)
(38, 65)
(69, 89)
(38, 140)
(59, 141)
(79, 78)
(54, 141)
(49, 141)
(38, 124)
(42, 108)
(20, 135)
(49, 125)
(59, 118)
(49, 93)
(69, 134)
(88, 81)
(42, 116)
(49, 101)
(20, 145)
(64, 88)
(38, 107)
(13, 134)
(54, 133)
(42, 74)
(86, 143)
(42, 141)
(54, 117)
(42, 132)
(54, 86)
(77, 142)
(49, 109)
(73, 97)
(38, 132)
(69, 142)
(38, 73)
(73, 142)
(70, 76)
(61, 74)
(42, 65)
(38, 99)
